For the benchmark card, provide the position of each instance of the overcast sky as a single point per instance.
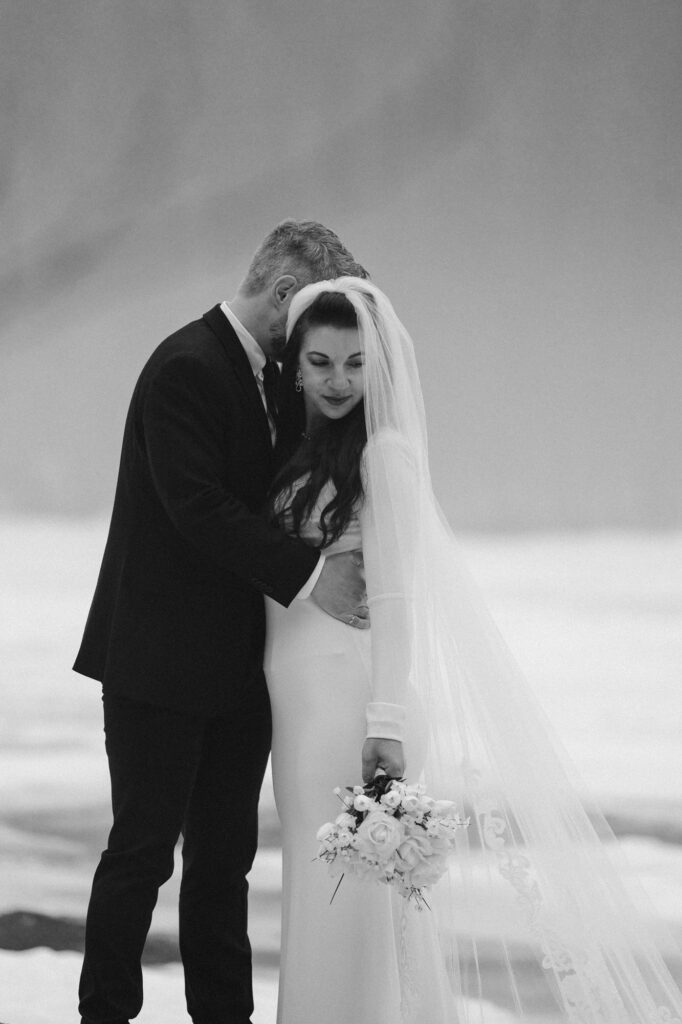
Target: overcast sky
(509, 171)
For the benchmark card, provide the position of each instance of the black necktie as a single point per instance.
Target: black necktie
(270, 378)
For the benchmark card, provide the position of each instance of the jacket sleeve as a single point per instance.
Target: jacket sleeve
(388, 522)
(183, 423)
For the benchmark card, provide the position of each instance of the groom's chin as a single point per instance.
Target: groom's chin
(277, 345)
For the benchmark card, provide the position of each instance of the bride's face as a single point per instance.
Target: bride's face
(332, 367)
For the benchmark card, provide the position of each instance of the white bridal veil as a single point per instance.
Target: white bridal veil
(534, 911)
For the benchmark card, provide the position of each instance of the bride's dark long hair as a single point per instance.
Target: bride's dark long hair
(331, 454)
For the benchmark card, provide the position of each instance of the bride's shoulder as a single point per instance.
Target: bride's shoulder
(388, 455)
(389, 443)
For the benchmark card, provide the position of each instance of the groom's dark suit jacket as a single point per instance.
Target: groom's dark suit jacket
(177, 618)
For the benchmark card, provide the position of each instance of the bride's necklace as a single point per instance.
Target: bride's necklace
(312, 429)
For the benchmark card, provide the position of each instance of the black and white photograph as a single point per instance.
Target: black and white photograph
(341, 512)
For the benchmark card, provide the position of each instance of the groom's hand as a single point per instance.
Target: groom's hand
(382, 754)
(340, 590)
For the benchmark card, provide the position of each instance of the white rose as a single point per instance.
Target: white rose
(391, 799)
(345, 820)
(418, 861)
(362, 802)
(379, 835)
(410, 803)
(325, 832)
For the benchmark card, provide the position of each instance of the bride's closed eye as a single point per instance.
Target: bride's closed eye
(355, 363)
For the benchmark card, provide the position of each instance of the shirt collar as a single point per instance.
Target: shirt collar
(254, 352)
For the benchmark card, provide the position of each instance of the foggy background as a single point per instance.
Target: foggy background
(510, 172)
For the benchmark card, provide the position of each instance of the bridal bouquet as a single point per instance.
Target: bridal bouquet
(393, 833)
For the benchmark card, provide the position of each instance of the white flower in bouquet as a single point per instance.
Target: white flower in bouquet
(393, 833)
(420, 861)
(378, 836)
(391, 799)
(363, 803)
(346, 837)
(433, 828)
(410, 803)
(326, 832)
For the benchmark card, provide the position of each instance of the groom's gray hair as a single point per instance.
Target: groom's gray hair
(303, 248)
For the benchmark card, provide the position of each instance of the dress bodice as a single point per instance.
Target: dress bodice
(385, 540)
(311, 532)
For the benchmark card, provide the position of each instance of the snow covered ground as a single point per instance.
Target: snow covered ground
(594, 620)
(38, 988)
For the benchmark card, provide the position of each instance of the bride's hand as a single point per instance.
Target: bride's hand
(340, 590)
(382, 754)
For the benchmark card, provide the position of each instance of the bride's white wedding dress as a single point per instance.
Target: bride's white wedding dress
(369, 957)
(534, 907)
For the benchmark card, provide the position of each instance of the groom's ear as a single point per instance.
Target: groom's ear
(284, 289)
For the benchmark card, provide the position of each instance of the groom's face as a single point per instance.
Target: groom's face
(275, 343)
(275, 302)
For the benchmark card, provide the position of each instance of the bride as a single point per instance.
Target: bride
(532, 914)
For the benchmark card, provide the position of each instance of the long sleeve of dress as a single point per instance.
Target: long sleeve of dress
(388, 522)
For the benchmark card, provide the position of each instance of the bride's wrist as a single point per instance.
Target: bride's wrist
(385, 721)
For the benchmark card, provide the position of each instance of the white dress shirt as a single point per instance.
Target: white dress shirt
(257, 360)
(256, 357)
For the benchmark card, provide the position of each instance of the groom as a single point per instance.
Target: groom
(175, 633)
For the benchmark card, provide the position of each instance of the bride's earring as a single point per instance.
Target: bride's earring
(298, 382)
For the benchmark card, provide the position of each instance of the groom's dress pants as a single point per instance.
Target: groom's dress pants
(174, 773)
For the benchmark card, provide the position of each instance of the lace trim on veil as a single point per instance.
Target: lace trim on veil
(580, 978)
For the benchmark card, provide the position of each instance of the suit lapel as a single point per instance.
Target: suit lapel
(222, 328)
